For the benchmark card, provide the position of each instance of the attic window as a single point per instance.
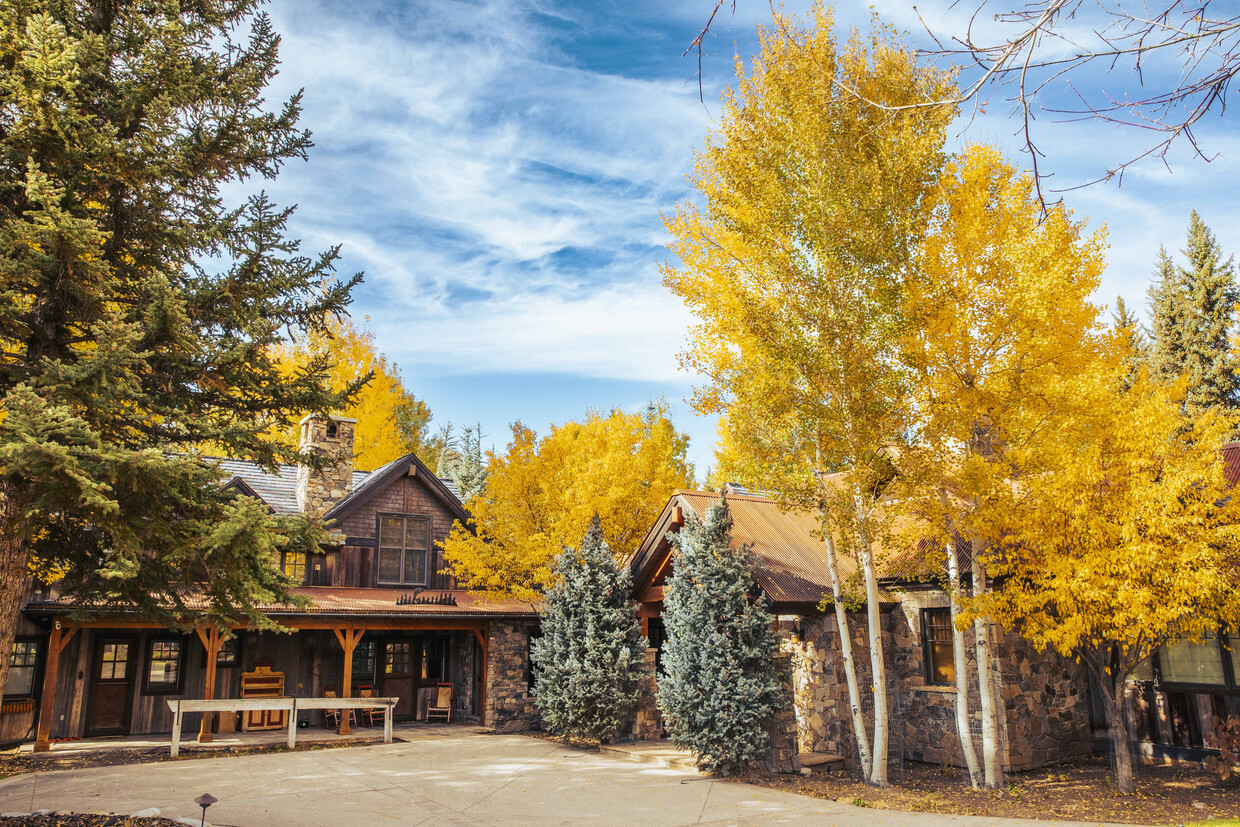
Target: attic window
(331, 430)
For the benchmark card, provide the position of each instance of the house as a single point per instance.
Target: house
(1045, 707)
(382, 617)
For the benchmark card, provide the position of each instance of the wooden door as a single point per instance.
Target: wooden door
(111, 686)
(397, 677)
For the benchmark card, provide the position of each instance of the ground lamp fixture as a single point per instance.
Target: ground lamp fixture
(204, 801)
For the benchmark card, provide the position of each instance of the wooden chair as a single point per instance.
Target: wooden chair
(331, 717)
(440, 703)
(372, 713)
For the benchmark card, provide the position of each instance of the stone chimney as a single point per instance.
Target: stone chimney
(319, 490)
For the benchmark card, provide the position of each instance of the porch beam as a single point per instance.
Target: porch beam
(212, 639)
(348, 638)
(47, 699)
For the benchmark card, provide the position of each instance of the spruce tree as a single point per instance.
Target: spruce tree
(1168, 307)
(1192, 319)
(1210, 287)
(589, 662)
(1126, 326)
(718, 687)
(139, 310)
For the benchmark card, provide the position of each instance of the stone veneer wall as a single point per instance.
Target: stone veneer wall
(510, 705)
(318, 490)
(1044, 697)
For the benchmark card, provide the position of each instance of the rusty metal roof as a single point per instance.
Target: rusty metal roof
(336, 600)
(788, 543)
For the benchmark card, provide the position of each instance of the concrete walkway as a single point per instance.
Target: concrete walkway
(449, 779)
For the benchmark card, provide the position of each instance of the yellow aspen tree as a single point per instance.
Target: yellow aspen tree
(813, 199)
(1128, 540)
(999, 331)
(541, 495)
(391, 421)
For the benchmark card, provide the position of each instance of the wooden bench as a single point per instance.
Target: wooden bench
(289, 706)
(820, 761)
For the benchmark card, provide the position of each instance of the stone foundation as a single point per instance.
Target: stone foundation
(510, 704)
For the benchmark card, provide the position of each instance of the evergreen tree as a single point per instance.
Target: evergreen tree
(461, 460)
(589, 662)
(139, 311)
(1125, 324)
(1192, 319)
(718, 685)
(1210, 286)
(1168, 307)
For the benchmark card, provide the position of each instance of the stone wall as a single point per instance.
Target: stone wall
(510, 704)
(463, 646)
(320, 489)
(782, 729)
(647, 724)
(1043, 697)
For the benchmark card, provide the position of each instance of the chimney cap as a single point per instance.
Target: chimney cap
(333, 418)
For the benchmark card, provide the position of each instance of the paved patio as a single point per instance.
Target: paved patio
(454, 778)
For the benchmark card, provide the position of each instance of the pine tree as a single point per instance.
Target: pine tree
(138, 311)
(1192, 319)
(1168, 308)
(718, 685)
(590, 671)
(1210, 287)
(1126, 326)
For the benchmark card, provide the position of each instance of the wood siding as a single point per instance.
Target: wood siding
(354, 565)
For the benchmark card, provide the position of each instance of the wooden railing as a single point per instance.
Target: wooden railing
(180, 706)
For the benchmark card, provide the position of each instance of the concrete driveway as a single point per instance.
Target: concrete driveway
(456, 779)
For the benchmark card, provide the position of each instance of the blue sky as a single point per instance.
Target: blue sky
(498, 169)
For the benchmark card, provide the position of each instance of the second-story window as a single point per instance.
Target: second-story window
(404, 546)
(293, 563)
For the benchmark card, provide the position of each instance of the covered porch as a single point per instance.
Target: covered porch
(113, 675)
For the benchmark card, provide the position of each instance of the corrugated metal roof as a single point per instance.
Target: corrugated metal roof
(1231, 461)
(793, 559)
(334, 600)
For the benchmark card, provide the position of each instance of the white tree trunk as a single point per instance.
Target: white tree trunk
(850, 670)
(990, 720)
(878, 670)
(962, 674)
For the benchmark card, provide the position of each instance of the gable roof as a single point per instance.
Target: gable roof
(279, 489)
(378, 479)
(793, 561)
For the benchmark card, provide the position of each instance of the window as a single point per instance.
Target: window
(434, 659)
(398, 658)
(114, 662)
(163, 666)
(1196, 663)
(22, 664)
(228, 656)
(293, 564)
(364, 663)
(936, 632)
(404, 545)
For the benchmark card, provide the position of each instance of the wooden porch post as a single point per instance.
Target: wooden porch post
(56, 644)
(212, 639)
(482, 690)
(348, 638)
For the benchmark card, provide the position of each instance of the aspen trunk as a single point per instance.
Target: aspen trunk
(878, 669)
(985, 686)
(14, 576)
(1117, 725)
(958, 657)
(850, 670)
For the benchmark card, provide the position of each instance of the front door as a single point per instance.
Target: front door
(111, 682)
(397, 675)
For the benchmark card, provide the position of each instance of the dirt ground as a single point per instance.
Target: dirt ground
(12, 763)
(1081, 791)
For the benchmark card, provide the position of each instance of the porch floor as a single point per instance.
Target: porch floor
(408, 731)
